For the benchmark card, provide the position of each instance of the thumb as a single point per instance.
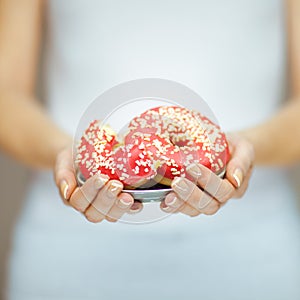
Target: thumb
(241, 160)
(64, 173)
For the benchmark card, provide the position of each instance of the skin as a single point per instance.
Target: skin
(34, 139)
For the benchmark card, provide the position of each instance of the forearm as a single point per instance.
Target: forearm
(277, 141)
(27, 133)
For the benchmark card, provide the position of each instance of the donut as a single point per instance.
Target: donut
(95, 151)
(158, 146)
(189, 138)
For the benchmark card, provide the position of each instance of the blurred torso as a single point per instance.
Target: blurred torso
(230, 52)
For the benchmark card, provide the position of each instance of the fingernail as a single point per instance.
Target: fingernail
(164, 205)
(166, 208)
(194, 170)
(238, 176)
(171, 201)
(180, 186)
(114, 189)
(135, 207)
(64, 187)
(126, 202)
(100, 181)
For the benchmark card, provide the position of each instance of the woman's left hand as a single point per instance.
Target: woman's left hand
(209, 192)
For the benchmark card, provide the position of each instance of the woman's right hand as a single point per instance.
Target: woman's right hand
(98, 198)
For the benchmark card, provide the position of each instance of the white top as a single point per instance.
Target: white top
(233, 54)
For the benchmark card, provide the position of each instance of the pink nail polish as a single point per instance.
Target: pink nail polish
(125, 201)
(171, 202)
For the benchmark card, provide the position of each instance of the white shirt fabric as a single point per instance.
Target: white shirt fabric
(233, 54)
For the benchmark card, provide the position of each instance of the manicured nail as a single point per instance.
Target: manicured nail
(180, 186)
(135, 207)
(126, 201)
(164, 205)
(64, 187)
(166, 208)
(238, 176)
(194, 170)
(114, 189)
(100, 181)
(171, 201)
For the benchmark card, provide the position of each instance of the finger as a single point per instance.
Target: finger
(241, 191)
(104, 201)
(240, 163)
(173, 204)
(121, 206)
(64, 174)
(199, 200)
(83, 196)
(136, 207)
(220, 189)
(66, 202)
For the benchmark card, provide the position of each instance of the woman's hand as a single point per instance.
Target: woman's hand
(209, 192)
(98, 198)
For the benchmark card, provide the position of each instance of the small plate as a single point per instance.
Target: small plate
(156, 194)
(151, 195)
